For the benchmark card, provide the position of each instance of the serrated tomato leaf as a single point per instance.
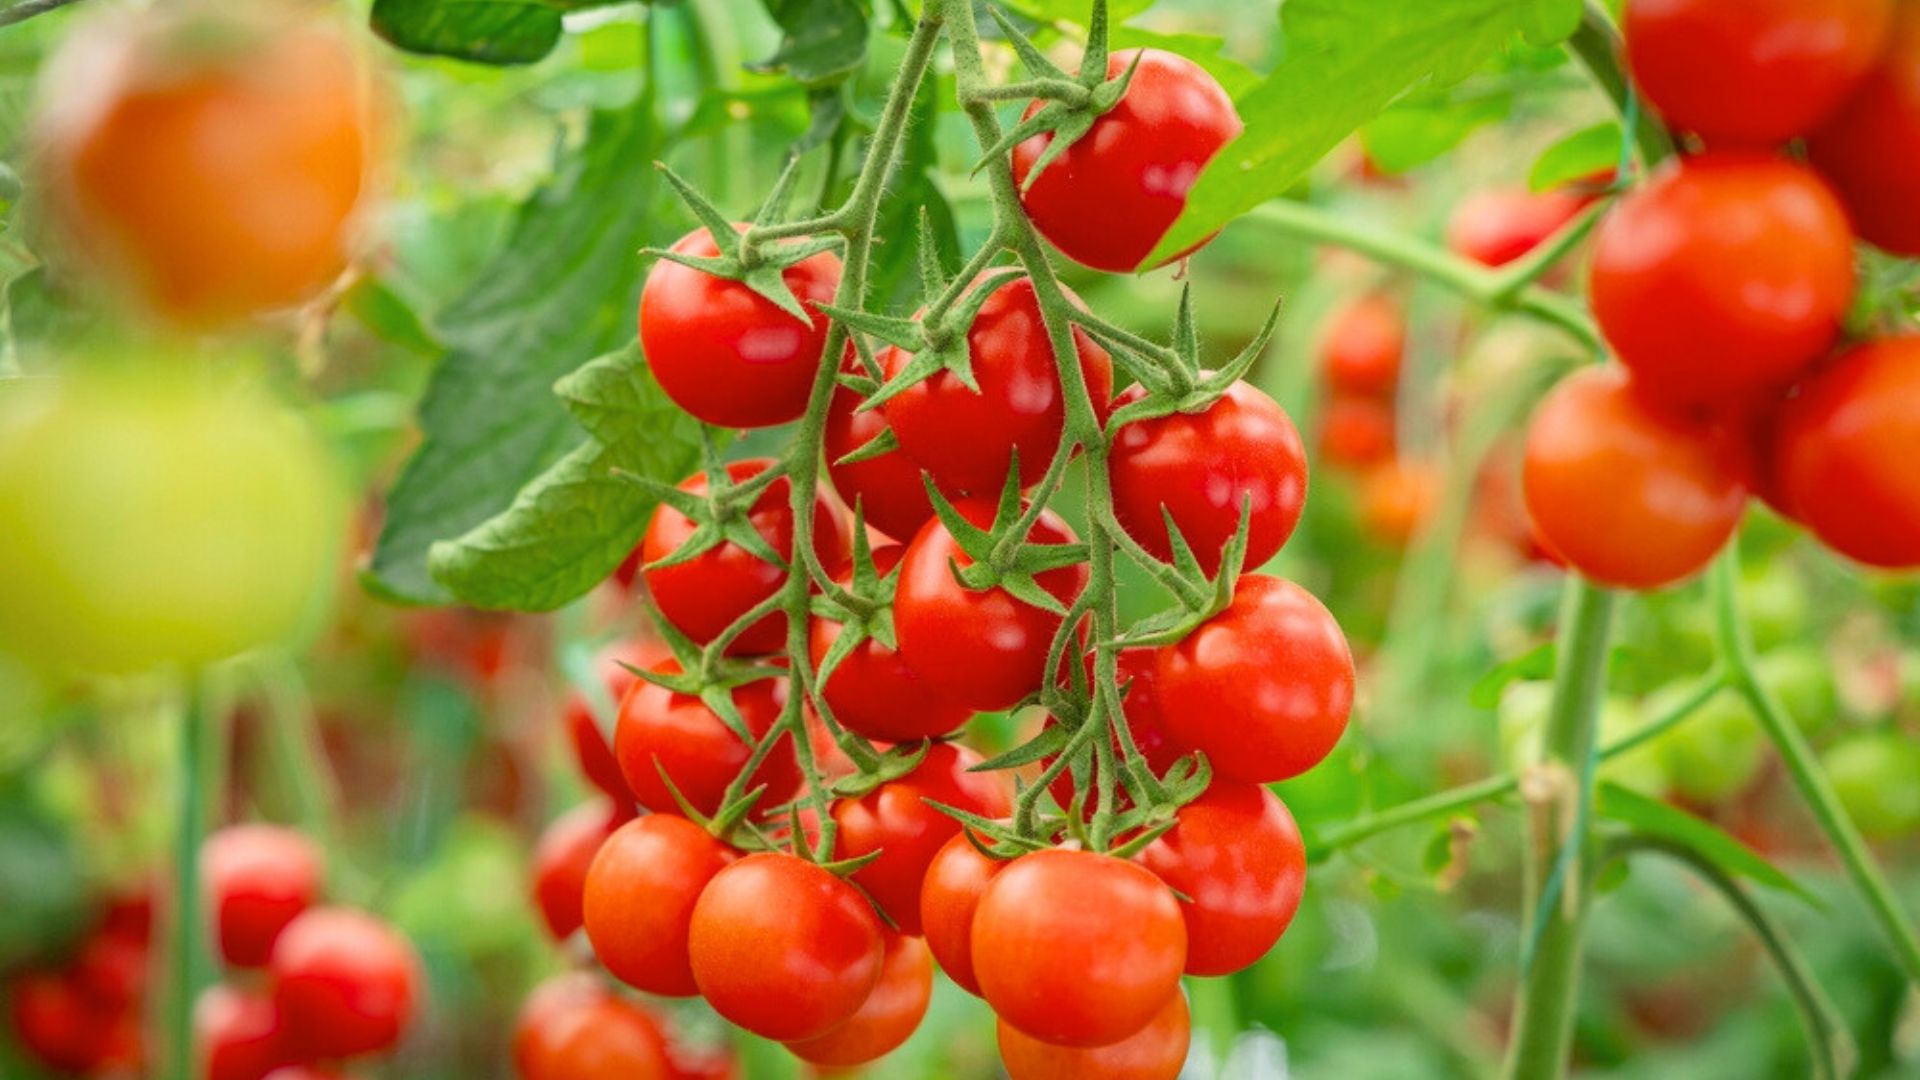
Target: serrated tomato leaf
(482, 31)
(823, 41)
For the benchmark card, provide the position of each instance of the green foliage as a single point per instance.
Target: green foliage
(1579, 155)
(823, 41)
(483, 31)
(1655, 818)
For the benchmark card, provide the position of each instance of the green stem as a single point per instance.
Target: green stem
(294, 751)
(187, 963)
(27, 9)
(1596, 44)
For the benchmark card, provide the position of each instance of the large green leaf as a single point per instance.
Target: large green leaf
(1668, 822)
(484, 31)
(1345, 61)
(562, 292)
(823, 40)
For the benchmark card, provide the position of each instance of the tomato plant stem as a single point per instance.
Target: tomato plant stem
(1596, 44)
(186, 963)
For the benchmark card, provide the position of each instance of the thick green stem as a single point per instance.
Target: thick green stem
(187, 964)
(1597, 46)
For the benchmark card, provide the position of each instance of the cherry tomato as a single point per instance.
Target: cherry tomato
(661, 730)
(210, 183)
(306, 1072)
(1363, 345)
(571, 1030)
(725, 353)
(1844, 453)
(1357, 432)
(949, 896)
(111, 968)
(872, 691)
(1077, 949)
(1751, 72)
(1724, 276)
(1133, 670)
(1629, 494)
(55, 1022)
(1496, 226)
(890, 493)
(1263, 688)
(1397, 499)
(1876, 774)
(560, 861)
(592, 750)
(542, 1015)
(886, 1019)
(1108, 200)
(238, 1033)
(895, 820)
(1155, 1052)
(345, 983)
(1238, 855)
(966, 439)
(984, 649)
(1200, 468)
(783, 948)
(705, 595)
(1881, 189)
(639, 900)
(257, 879)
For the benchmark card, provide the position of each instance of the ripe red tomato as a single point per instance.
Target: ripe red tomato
(1881, 188)
(949, 896)
(1109, 199)
(984, 649)
(111, 967)
(573, 1029)
(966, 440)
(55, 1022)
(345, 983)
(1264, 688)
(1357, 432)
(1363, 345)
(257, 879)
(1397, 499)
(895, 820)
(1725, 276)
(592, 749)
(1133, 669)
(238, 1033)
(888, 488)
(1077, 949)
(534, 1030)
(1495, 226)
(705, 595)
(1629, 494)
(306, 1072)
(783, 948)
(560, 861)
(873, 692)
(639, 897)
(1237, 853)
(1200, 467)
(660, 729)
(725, 353)
(1751, 72)
(1155, 1052)
(886, 1019)
(1844, 453)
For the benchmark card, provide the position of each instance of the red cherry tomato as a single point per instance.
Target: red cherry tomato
(238, 1033)
(1495, 226)
(55, 1022)
(1397, 499)
(1237, 854)
(1200, 467)
(560, 861)
(1357, 432)
(1108, 200)
(895, 820)
(725, 353)
(111, 967)
(872, 691)
(1363, 346)
(1880, 186)
(1751, 72)
(966, 439)
(660, 729)
(592, 749)
(886, 1019)
(573, 1029)
(1845, 453)
(1629, 494)
(956, 879)
(257, 878)
(639, 900)
(1726, 275)
(306, 1072)
(1077, 949)
(1133, 670)
(890, 493)
(1263, 688)
(705, 595)
(984, 649)
(534, 1030)
(783, 948)
(345, 983)
(1155, 1052)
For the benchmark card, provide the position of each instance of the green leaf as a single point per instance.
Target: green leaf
(389, 317)
(562, 291)
(483, 31)
(1077, 12)
(1203, 49)
(1576, 157)
(1372, 53)
(1536, 663)
(1424, 125)
(1669, 822)
(824, 40)
(1550, 22)
(893, 278)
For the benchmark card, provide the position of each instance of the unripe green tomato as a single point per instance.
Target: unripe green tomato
(1522, 714)
(1714, 754)
(152, 519)
(1877, 776)
(1776, 603)
(1803, 681)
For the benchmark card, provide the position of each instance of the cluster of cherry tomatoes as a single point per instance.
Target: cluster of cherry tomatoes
(1723, 284)
(84, 1018)
(1362, 348)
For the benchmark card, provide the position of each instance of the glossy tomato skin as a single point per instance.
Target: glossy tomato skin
(345, 984)
(1109, 199)
(966, 440)
(889, 1016)
(1363, 345)
(238, 1033)
(560, 860)
(725, 353)
(1751, 72)
(1498, 225)
(1881, 188)
(1844, 453)
(984, 649)
(1356, 432)
(573, 1029)
(1723, 277)
(1200, 467)
(895, 820)
(1628, 493)
(1133, 671)
(888, 489)
(592, 749)
(1237, 853)
(1155, 1052)
(704, 595)
(950, 895)
(639, 898)
(873, 691)
(257, 879)
(783, 948)
(1076, 948)
(660, 729)
(1264, 688)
